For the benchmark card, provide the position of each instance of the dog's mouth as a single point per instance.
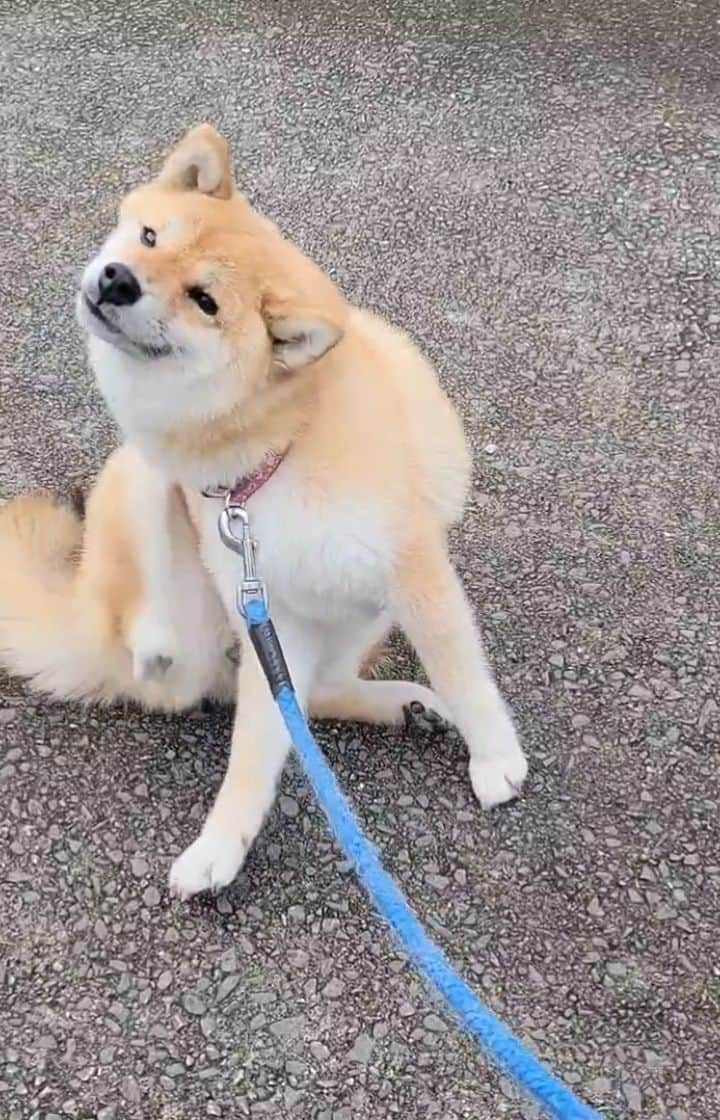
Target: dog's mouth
(95, 311)
(146, 349)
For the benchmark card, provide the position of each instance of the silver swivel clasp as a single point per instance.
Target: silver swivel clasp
(234, 529)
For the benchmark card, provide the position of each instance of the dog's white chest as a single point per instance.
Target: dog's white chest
(322, 560)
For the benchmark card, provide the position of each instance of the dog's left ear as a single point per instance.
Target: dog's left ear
(200, 162)
(300, 336)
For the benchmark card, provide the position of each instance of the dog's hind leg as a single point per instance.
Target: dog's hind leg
(390, 702)
(340, 693)
(432, 608)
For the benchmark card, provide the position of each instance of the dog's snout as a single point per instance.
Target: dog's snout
(118, 285)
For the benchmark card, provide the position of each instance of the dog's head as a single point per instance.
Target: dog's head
(192, 281)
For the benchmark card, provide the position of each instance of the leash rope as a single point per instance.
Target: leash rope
(496, 1041)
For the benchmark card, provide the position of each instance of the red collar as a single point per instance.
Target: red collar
(242, 490)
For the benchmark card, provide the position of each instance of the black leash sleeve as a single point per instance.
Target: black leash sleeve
(270, 656)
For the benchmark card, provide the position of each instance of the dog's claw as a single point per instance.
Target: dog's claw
(517, 790)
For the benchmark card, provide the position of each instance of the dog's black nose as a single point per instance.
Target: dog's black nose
(118, 285)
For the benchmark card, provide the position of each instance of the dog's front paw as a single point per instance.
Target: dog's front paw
(153, 667)
(209, 864)
(498, 776)
(154, 649)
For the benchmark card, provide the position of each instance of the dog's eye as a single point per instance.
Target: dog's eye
(148, 237)
(204, 300)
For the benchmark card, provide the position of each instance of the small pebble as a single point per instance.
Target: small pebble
(599, 1088)
(362, 1049)
(289, 806)
(594, 907)
(228, 961)
(292, 1027)
(193, 1004)
(633, 1096)
(130, 1090)
(226, 986)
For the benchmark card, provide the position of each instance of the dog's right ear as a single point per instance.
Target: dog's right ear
(200, 162)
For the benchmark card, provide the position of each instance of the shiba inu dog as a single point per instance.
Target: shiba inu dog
(227, 357)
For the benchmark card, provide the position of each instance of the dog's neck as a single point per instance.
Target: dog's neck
(189, 426)
(234, 444)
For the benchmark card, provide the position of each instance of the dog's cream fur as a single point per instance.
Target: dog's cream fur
(351, 528)
(80, 613)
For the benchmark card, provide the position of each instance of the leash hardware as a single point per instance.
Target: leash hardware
(251, 587)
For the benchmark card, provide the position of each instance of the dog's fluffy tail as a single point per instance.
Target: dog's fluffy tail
(43, 635)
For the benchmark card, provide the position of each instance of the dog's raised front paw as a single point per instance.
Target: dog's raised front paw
(209, 864)
(152, 668)
(154, 649)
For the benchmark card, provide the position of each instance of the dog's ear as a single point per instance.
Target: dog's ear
(300, 335)
(200, 162)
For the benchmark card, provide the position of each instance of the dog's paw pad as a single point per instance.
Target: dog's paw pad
(413, 712)
(425, 719)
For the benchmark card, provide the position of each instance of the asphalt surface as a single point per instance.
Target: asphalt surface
(534, 191)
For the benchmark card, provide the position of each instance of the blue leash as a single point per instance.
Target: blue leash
(497, 1042)
(495, 1039)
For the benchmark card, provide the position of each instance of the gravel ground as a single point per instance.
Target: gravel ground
(533, 190)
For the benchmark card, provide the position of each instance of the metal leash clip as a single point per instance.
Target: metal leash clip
(251, 588)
